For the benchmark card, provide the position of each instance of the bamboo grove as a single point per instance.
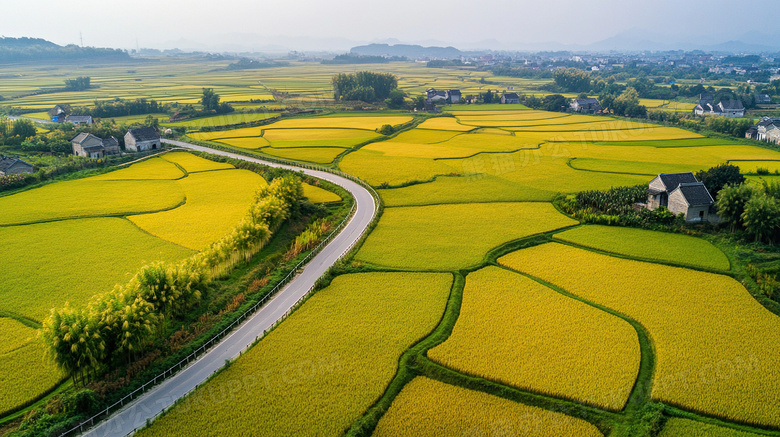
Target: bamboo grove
(119, 324)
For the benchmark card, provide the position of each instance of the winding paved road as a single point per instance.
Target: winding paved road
(153, 402)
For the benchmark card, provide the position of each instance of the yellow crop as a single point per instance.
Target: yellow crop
(47, 264)
(667, 247)
(318, 155)
(426, 407)
(319, 195)
(321, 368)
(14, 335)
(89, 198)
(446, 237)
(317, 137)
(192, 164)
(368, 123)
(25, 376)
(677, 427)
(703, 325)
(518, 332)
(216, 202)
(245, 142)
(149, 169)
(444, 123)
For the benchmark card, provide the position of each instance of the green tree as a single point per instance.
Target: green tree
(761, 217)
(731, 202)
(151, 121)
(23, 128)
(715, 178)
(80, 83)
(396, 99)
(73, 342)
(386, 129)
(209, 100)
(555, 102)
(572, 80)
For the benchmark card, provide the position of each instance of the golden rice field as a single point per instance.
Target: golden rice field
(148, 169)
(632, 242)
(517, 332)
(222, 120)
(319, 195)
(14, 335)
(753, 166)
(48, 264)
(193, 164)
(367, 123)
(446, 237)
(715, 364)
(426, 407)
(317, 155)
(317, 137)
(444, 123)
(346, 339)
(26, 375)
(65, 200)
(243, 143)
(677, 427)
(210, 211)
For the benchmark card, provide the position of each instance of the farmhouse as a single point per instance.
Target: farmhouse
(767, 129)
(682, 194)
(10, 166)
(510, 98)
(586, 106)
(453, 96)
(145, 138)
(79, 119)
(435, 95)
(58, 114)
(763, 99)
(90, 146)
(727, 108)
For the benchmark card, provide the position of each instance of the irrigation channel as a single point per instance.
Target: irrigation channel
(135, 413)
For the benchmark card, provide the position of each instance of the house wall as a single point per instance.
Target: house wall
(692, 214)
(677, 203)
(78, 148)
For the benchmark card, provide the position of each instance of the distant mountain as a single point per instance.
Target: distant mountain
(36, 49)
(24, 43)
(407, 50)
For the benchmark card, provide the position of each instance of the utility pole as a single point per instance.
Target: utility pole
(81, 38)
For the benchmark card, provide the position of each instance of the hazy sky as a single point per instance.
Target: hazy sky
(171, 23)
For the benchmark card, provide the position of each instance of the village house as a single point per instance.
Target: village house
(58, 114)
(763, 99)
(767, 129)
(91, 146)
(681, 193)
(10, 166)
(586, 106)
(453, 96)
(436, 95)
(79, 119)
(725, 108)
(145, 138)
(510, 99)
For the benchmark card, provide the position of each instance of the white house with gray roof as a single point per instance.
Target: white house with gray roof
(145, 138)
(91, 146)
(681, 193)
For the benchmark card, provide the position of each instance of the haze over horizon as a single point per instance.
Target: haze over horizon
(337, 25)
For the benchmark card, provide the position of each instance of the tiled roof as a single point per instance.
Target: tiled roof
(696, 194)
(673, 180)
(144, 134)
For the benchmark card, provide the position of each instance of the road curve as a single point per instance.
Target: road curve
(153, 402)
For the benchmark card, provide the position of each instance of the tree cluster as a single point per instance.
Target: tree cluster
(80, 83)
(210, 102)
(725, 125)
(121, 108)
(118, 325)
(366, 86)
(754, 210)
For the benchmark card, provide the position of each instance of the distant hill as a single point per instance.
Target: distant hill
(406, 50)
(37, 49)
